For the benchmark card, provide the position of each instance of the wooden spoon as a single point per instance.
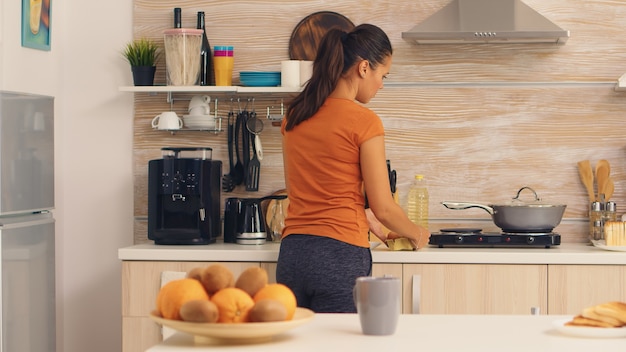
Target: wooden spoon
(608, 190)
(603, 169)
(586, 176)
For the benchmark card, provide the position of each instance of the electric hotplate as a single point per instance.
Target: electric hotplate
(469, 237)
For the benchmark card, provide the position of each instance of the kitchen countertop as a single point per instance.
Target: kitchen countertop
(568, 253)
(485, 333)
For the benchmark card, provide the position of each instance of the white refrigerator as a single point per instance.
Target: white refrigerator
(27, 223)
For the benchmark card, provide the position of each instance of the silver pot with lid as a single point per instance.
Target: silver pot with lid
(519, 216)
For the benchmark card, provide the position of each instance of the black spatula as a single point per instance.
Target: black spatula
(254, 171)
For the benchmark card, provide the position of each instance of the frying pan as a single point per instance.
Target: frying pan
(519, 216)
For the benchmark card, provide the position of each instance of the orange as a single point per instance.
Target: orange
(281, 293)
(233, 305)
(175, 293)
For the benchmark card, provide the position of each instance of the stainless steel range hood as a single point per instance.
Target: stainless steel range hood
(486, 21)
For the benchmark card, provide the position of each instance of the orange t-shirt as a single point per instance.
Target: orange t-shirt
(323, 172)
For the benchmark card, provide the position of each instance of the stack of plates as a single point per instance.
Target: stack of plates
(260, 79)
(200, 122)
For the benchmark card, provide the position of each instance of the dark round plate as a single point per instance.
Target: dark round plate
(308, 34)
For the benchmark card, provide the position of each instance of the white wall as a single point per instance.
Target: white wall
(93, 153)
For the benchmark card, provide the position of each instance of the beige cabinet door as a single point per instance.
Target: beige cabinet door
(574, 287)
(141, 282)
(474, 288)
(382, 269)
(270, 267)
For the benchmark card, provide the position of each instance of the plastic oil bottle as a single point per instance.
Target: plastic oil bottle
(417, 202)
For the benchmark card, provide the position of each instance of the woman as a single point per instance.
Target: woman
(333, 149)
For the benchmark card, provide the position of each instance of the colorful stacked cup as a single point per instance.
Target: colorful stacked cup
(223, 62)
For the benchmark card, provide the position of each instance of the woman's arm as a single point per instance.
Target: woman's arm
(384, 207)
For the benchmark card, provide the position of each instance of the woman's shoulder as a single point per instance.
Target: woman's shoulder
(347, 105)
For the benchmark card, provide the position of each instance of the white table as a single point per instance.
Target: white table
(484, 333)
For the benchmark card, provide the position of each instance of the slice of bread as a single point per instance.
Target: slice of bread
(400, 244)
(590, 313)
(616, 310)
(615, 233)
(579, 320)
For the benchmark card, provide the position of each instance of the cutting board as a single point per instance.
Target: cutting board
(308, 34)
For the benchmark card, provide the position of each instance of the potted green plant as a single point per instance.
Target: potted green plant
(142, 55)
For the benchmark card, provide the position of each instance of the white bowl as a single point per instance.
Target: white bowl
(199, 122)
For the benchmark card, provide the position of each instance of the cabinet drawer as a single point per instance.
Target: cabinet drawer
(476, 288)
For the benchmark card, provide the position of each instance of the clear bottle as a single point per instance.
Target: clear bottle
(417, 202)
(206, 58)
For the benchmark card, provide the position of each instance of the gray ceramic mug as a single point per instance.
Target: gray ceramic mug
(378, 304)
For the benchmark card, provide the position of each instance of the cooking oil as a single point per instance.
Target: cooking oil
(417, 202)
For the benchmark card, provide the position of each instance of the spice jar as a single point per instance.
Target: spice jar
(610, 212)
(596, 231)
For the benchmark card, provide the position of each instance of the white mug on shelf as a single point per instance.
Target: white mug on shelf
(290, 73)
(167, 120)
(200, 105)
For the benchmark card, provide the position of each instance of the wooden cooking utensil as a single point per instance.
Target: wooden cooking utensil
(603, 170)
(608, 189)
(586, 176)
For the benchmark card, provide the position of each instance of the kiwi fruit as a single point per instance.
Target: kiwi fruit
(216, 277)
(252, 280)
(199, 311)
(195, 273)
(267, 310)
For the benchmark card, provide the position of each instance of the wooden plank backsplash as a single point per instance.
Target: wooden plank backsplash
(479, 120)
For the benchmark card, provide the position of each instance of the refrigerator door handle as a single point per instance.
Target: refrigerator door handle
(17, 225)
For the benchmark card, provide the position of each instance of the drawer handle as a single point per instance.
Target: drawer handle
(417, 280)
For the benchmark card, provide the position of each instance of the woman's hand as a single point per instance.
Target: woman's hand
(375, 226)
(420, 241)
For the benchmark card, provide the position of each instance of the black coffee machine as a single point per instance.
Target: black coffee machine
(184, 197)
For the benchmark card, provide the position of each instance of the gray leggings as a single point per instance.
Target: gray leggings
(322, 271)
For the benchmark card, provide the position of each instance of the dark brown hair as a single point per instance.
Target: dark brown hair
(337, 52)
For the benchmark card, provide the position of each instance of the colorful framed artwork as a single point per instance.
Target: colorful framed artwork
(36, 24)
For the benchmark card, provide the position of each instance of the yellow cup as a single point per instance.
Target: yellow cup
(223, 70)
(223, 62)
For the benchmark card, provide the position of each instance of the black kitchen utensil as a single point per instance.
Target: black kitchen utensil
(245, 139)
(255, 126)
(238, 172)
(254, 171)
(392, 177)
(228, 182)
